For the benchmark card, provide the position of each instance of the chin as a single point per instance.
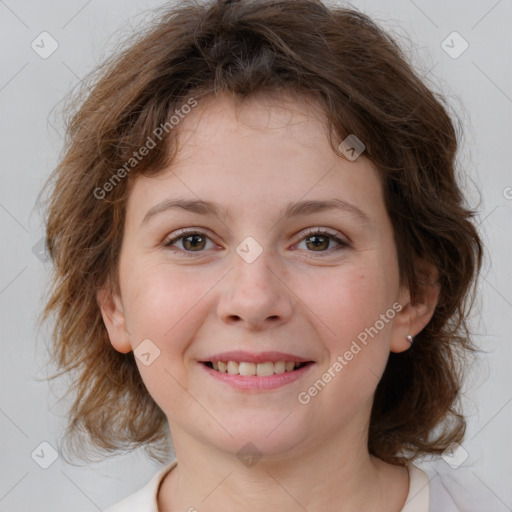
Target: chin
(267, 437)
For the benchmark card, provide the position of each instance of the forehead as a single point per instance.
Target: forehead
(263, 151)
(252, 121)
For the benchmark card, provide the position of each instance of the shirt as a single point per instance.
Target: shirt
(418, 499)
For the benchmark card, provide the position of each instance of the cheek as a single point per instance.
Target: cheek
(357, 309)
(356, 312)
(351, 300)
(163, 303)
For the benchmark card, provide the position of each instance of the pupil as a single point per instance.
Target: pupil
(190, 237)
(318, 243)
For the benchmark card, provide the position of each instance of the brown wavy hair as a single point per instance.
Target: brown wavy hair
(362, 79)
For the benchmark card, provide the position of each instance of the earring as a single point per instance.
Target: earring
(409, 339)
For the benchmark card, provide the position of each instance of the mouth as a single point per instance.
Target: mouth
(256, 372)
(250, 369)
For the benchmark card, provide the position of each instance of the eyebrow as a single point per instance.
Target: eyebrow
(292, 209)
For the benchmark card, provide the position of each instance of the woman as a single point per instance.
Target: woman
(261, 248)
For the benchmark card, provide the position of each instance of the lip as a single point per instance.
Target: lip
(255, 382)
(251, 357)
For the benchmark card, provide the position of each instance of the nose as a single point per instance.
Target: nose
(255, 295)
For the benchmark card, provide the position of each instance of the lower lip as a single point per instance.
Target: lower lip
(256, 383)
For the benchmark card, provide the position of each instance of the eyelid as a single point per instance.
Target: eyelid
(323, 231)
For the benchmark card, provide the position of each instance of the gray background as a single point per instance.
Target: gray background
(478, 84)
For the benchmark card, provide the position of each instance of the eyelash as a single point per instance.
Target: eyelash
(317, 231)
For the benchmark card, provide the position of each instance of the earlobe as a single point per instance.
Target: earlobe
(401, 341)
(114, 319)
(416, 313)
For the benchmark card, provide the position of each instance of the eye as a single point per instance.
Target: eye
(190, 241)
(319, 240)
(194, 241)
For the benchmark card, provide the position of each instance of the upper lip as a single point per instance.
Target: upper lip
(253, 357)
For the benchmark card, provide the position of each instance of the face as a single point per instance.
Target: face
(290, 258)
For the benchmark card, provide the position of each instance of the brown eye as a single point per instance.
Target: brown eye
(321, 242)
(193, 242)
(190, 241)
(317, 242)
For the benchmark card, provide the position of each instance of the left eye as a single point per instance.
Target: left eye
(196, 241)
(319, 241)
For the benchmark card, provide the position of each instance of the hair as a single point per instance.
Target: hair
(365, 85)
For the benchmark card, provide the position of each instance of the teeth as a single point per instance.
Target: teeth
(251, 369)
(265, 369)
(279, 367)
(247, 369)
(233, 367)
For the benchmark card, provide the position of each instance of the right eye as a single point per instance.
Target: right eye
(190, 240)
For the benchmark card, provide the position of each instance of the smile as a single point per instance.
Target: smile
(256, 372)
(248, 369)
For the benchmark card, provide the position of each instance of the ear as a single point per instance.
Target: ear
(418, 308)
(114, 318)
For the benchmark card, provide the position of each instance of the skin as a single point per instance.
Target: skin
(254, 159)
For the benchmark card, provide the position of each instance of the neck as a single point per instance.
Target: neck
(334, 475)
